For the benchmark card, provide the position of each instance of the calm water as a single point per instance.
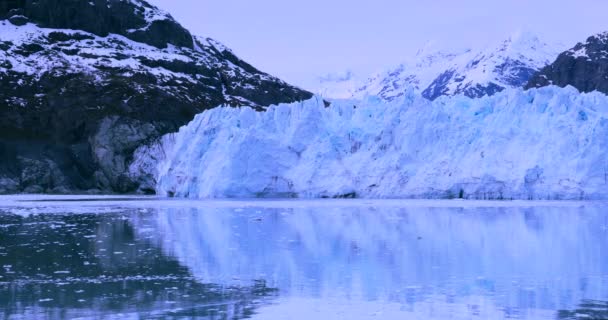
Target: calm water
(302, 260)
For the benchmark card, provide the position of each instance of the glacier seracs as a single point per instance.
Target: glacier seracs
(549, 143)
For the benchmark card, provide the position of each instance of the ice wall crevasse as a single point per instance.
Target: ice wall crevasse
(550, 143)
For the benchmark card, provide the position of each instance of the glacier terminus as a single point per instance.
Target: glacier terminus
(547, 143)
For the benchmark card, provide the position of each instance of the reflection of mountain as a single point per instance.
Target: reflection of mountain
(67, 266)
(517, 259)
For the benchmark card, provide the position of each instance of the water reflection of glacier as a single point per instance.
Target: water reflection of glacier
(516, 260)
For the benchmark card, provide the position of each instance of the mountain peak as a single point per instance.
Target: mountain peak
(337, 85)
(135, 19)
(524, 37)
(90, 80)
(583, 67)
(527, 43)
(428, 48)
(472, 72)
(601, 37)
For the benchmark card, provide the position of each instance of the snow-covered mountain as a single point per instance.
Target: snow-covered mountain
(84, 83)
(338, 85)
(472, 72)
(548, 143)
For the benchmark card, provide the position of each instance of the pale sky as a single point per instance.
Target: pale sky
(299, 41)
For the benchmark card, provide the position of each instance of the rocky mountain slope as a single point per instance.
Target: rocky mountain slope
(584, 67)
(471, 72)
(85, 83)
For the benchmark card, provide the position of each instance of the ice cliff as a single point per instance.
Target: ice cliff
(548, 143)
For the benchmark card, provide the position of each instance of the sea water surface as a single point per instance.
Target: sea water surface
(148, 258)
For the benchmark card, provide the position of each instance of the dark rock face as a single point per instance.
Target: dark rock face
(515, 73)
(74, 105)
(439, 86)
(584, 67)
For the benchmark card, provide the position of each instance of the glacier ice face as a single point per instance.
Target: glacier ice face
(550, 143)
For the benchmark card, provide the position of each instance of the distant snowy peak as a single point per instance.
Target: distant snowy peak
(584, 66)
(418, 74)
(338, 85)
(472, 72)
(478, 73)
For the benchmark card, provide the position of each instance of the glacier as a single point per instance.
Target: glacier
(547, 143)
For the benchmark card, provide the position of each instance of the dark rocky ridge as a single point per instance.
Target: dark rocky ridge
(129, 18)
(74, 105)
(584, 67)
